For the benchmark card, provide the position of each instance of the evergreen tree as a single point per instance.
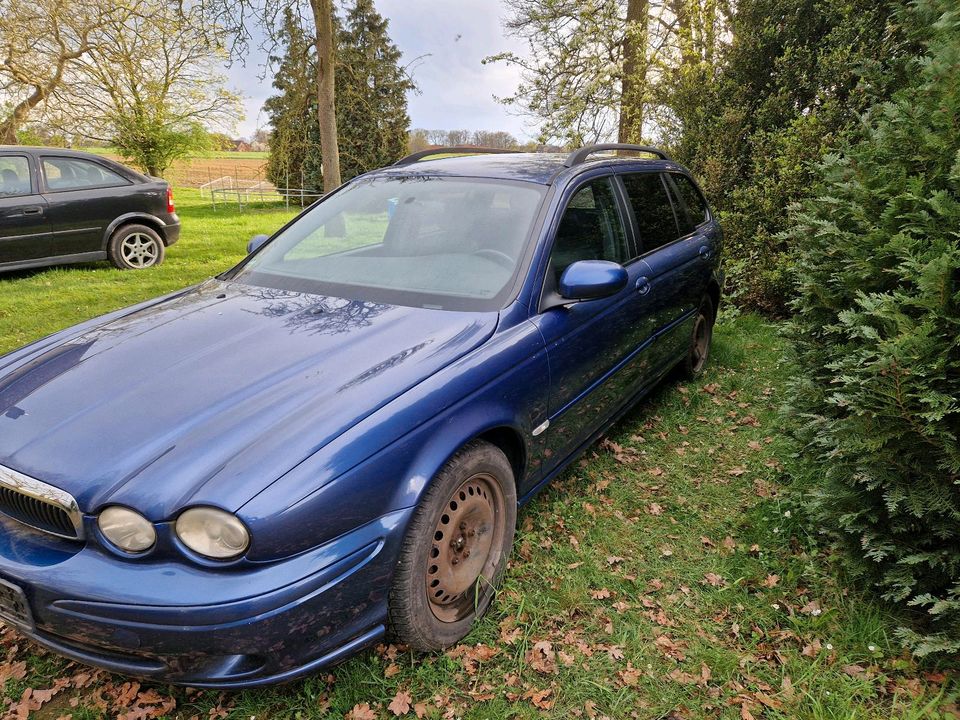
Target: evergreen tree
(876, 334)
(789, 87)
(371, 109)
(295, 141)
(371, 93)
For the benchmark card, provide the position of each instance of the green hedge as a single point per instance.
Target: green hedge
(876, 338)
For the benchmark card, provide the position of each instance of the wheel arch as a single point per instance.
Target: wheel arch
(150, 221)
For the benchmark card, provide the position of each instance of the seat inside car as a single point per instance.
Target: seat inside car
(11, 184)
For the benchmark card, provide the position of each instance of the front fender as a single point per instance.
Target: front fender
(387, 461)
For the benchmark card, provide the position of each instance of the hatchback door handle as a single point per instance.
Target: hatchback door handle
(705, 252)
(33, 210)
(643, 285)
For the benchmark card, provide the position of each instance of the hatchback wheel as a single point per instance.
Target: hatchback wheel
(455, 550)
(700, 338)
(135, 247)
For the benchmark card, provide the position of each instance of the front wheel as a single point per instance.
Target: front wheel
(700, 338)
(455, 550)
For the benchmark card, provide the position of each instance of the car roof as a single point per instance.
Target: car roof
(540, 168)
(34, 149)
(65, 152)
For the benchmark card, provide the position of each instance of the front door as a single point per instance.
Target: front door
(24, 230)
(84, 198)
(594, 346)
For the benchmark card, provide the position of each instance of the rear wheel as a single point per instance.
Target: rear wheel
(455, 550)
(135, 247)
(700, 338)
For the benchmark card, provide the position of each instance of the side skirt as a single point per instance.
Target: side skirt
(55, 260)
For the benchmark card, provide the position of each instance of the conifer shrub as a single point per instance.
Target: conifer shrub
(876, 341)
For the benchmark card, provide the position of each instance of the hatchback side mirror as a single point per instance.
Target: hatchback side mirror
(256, 242)
(592, 279)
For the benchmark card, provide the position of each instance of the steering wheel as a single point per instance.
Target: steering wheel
(498, 257)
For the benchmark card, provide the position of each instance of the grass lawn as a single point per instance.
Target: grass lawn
(666, 575)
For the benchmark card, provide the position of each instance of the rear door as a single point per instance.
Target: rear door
(676, 257)
(84, 197)
(24, 229)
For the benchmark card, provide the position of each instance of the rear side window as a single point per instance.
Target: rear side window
(14, 176)
(76, 174)
(652, 209)
(696, 206)
(590, 229)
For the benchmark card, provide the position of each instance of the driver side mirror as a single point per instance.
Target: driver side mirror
(256, 242)
(592, 279)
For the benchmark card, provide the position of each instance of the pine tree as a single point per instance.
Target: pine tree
(876, 338)
(372, 118)
(295, 141)
(371, 93)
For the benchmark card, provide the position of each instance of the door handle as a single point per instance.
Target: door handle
(33, 210)
(642, 285)
(705, 252)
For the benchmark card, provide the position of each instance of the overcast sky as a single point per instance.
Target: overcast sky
(456, 90)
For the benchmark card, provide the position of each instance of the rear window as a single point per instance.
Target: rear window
(652, 209)
(75, 174)
(692, 200)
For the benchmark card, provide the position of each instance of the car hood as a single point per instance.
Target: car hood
(212, 394)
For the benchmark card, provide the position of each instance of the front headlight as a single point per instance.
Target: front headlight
(213, 533)
(126, 529)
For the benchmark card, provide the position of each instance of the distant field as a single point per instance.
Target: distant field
(205, 167)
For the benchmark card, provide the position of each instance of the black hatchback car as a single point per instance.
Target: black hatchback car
(62, 206)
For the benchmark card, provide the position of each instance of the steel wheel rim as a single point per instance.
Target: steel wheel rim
(467, 549)
(701, 342)
(139, 250)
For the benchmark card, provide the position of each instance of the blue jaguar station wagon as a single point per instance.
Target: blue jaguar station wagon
(255, 477)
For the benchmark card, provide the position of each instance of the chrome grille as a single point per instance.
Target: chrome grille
(39, 505)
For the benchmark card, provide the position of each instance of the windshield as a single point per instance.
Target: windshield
(449, 243)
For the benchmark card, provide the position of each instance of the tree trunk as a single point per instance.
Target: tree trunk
(634, 82)
(17, 116)
(326, 93)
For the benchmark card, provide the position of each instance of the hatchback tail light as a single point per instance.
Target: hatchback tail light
(171, 208)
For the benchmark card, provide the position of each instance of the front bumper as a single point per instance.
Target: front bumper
(247, 625)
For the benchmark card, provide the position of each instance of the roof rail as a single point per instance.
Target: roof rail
(460, 150)
(579, 156)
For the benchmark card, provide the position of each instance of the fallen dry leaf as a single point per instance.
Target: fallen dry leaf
(361, 711)
(400, 705)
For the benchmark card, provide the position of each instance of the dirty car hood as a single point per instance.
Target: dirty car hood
(211, 395)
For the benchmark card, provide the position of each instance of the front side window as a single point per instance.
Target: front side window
(449, 243)
(76, 174)
(14, 176)
(590, 229)
(652, 209)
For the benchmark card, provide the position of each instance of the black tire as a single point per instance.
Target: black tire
(700, 338)
(135, 247)
(469, 511)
